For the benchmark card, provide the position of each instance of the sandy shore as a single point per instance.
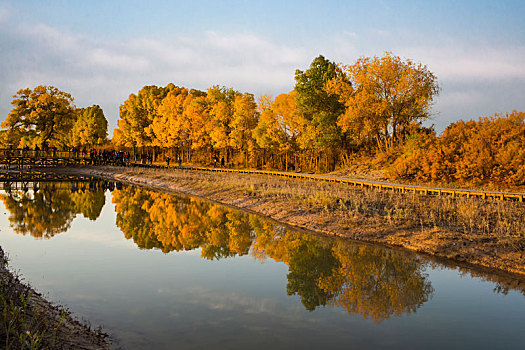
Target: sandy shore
(302, 204)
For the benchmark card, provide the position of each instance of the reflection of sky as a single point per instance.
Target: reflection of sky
(179, 300)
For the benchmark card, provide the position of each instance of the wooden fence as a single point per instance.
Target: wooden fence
(20, 158)
(365, 183)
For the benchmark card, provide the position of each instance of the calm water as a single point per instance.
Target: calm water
(161, 271)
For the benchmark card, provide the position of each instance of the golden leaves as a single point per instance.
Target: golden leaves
(491, 149)
(383, 96)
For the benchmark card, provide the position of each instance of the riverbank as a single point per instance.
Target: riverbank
(29, 321)
(486, 233)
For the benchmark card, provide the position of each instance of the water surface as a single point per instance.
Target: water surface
(163, 271)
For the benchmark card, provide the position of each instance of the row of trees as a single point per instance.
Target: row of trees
(46, 116)
(332, 112)
(335, 112)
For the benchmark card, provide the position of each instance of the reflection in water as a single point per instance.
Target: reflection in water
(152, 300)
(377, 283)
(367, 280)
(370, 281)
(44, 209)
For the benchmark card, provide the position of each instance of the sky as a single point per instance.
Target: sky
(101, 51)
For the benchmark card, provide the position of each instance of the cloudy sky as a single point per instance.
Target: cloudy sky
(102, 51)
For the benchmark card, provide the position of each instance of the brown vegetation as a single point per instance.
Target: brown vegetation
(488, 151)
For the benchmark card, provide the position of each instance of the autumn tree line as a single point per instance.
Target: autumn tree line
(370, 112)
(333, 112)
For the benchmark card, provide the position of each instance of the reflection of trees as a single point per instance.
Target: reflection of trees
(375, 282)
(310, 264)
(366, 280)
(371, 281)
(133, 219)
(88, 203)
(160, 220)
(49, 208)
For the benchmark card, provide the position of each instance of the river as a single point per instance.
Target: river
(166, 271)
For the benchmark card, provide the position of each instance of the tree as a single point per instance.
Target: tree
(168, 125)
(268, 133)
(320, 111)
(383, 97)
(197, 117)
(244, 120)
(278, 127)
(137, 114)
(491, 149)
(320, 108)
(220, 106)
(91, 127)
(44, 115)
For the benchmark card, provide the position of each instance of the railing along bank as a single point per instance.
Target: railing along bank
(21, 157)
(360, 183)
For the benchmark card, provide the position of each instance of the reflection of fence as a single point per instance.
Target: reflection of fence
(24, 176)
(69, 183)
(21, 158)
(370, 184)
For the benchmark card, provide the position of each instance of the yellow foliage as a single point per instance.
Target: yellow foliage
(383, 96)
(491, 149)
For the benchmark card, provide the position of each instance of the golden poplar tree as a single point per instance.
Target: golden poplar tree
(383, 96)
(42, 116)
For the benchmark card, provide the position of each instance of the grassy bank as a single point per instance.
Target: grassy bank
(486, 233)
(28, 321)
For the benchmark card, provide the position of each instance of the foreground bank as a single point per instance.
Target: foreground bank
(489, 234)
(28, 321)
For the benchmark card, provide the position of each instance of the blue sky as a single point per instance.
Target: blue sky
(101, 51)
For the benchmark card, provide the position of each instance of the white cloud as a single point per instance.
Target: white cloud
(381, 32)
(104, 58)
(4, 14)
(350, 34)
(476, 63)
(51, 38)
(105, 72)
